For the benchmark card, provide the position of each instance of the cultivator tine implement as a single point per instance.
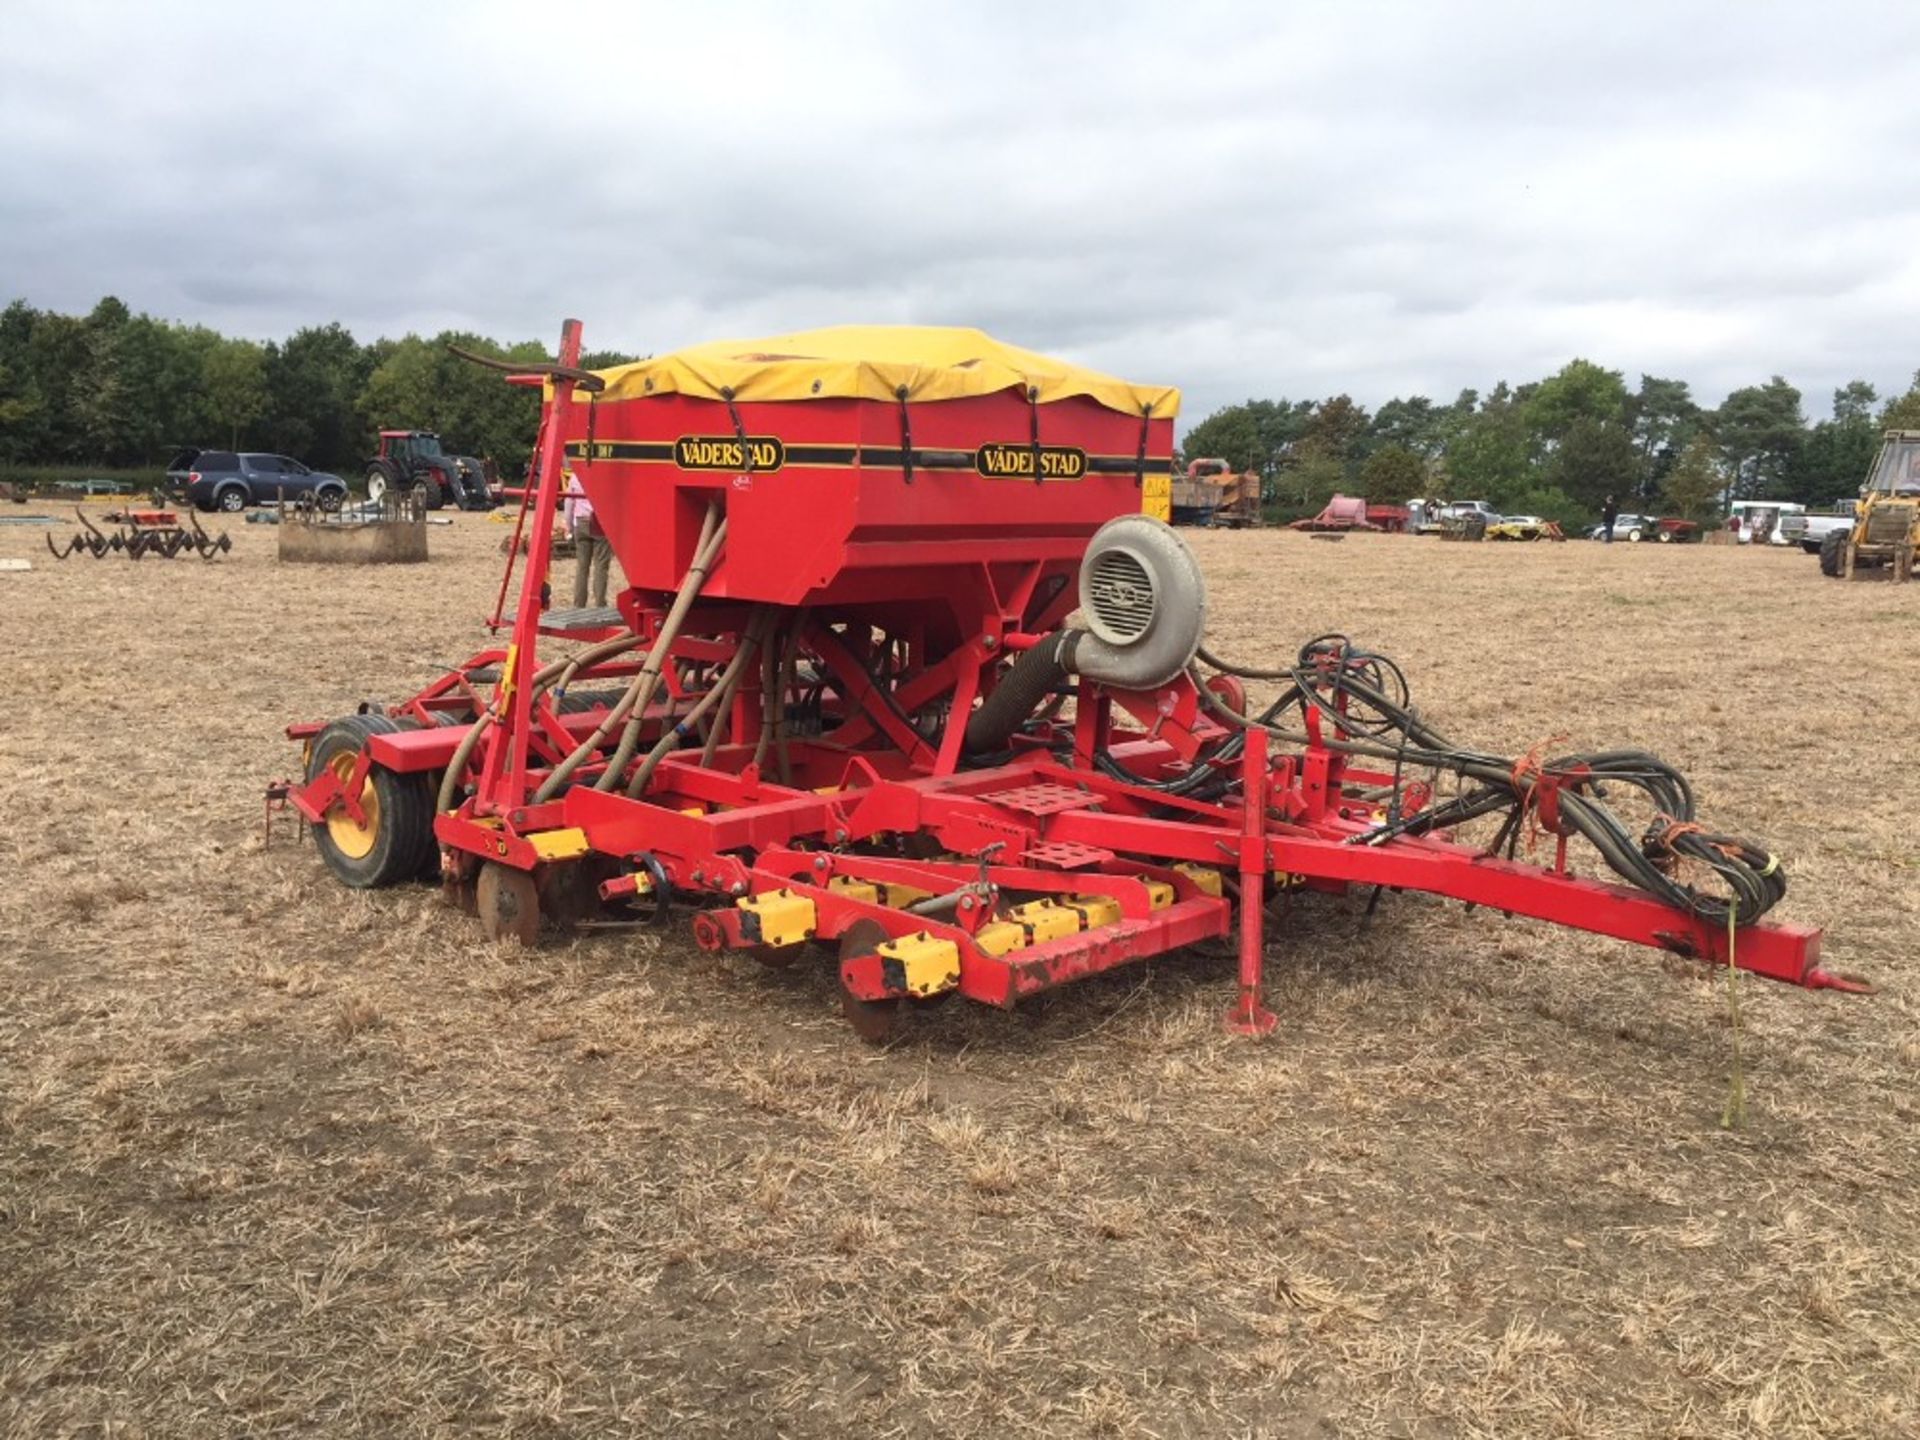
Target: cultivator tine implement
(206, 544)
(95, 541)
(139, 535)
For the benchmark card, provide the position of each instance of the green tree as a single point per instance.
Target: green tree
(400, 391)
(23, 405)
(18, 407)
(56, 358)
(1903, 412)
(1662, 418)
(1310, 478)
(607, 359)
(1760, 430)
(1255, 434)
(1694, 485)
(1853, 403)
(165, 368)
(100, 390)
(1579, 391)
(314, 382)
(1413, 425)
(422, 385)
(1832, 461)
(1595, 459)
(1337, 431)
(1492, 456)
(1392, 474)
(1324, 458)
(234, 373)
(1280, 424)
(1231, 433)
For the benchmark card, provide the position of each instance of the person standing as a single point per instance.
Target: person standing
(1609, 512)
(592, 556)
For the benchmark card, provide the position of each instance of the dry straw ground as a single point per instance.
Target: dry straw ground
(276, 1158)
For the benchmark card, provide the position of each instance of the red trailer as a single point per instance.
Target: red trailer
(901, 672)
(1388, 517)
(1346, 512)
(1341, 513)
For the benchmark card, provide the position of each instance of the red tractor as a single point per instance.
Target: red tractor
(411, 461)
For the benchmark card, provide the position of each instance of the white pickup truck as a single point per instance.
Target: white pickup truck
(1808, 531)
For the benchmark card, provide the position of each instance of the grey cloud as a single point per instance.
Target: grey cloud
(1371, 199)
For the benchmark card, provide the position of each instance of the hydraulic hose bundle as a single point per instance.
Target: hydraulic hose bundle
(1362, 697)
(629, 714)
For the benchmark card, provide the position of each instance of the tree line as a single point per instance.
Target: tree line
(124, 391)
(121, 390)
(1559, 447)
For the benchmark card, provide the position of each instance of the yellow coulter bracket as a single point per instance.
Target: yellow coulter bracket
(930, 965)
(782, 917)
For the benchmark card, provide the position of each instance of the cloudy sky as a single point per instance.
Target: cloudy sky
(1261, 200)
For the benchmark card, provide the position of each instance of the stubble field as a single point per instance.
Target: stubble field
(280, 1158)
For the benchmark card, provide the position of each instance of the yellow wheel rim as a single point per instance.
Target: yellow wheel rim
(351, 840)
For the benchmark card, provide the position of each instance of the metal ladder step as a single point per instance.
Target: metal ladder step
(563, 622)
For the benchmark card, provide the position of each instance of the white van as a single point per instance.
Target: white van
(1758, 521)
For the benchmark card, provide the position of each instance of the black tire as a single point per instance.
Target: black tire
(1635, 536)
(382, 480)
(470, 483)
(430, 864)
(1665, 537)
(1833, 553)
(427, 487)
(232, 499)
(578, 702)
(398, 839)
(329, 499)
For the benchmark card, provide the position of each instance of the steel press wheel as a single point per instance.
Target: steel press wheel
(874, 1021)
(509, 902)
(394, 836)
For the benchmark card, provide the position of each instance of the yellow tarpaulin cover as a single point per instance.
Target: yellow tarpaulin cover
(872, 362)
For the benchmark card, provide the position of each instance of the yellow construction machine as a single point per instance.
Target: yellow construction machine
(1886, 523)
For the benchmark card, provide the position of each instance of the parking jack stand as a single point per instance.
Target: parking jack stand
(1248, 1015)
